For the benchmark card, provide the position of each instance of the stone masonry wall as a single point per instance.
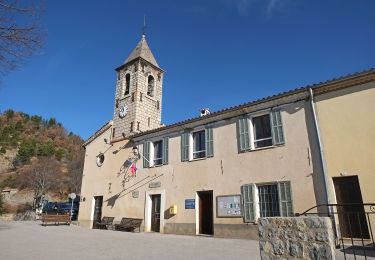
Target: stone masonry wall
(142, 109)
(296, 238)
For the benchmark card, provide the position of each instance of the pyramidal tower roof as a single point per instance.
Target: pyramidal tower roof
(142, 51)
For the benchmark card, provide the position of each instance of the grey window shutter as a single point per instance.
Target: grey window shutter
(248, 202)
(165, 150)
(277, 128)
(184, 147)
(285, 199)
(209, 142)
(243, 127)
(146, 154)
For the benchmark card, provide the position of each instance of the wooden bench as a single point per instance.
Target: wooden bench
(56, 219)
(104, 223)
(129, 224)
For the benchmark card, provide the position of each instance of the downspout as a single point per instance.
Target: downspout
(321, 150)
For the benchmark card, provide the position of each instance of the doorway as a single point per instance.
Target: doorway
(155, 212)
(206, 226)
(97, 216)
(352, 218)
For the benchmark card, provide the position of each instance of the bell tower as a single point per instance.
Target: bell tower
(138, 100)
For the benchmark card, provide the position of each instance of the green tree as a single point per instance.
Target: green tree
(36, 119)
(51, 122)
(45, 149)
(26, 151)
(19, 126)
(9, 113)
(59, 153)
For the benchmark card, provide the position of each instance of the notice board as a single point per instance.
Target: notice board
(228, 206)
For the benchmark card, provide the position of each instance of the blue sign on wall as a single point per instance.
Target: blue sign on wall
(190, 204)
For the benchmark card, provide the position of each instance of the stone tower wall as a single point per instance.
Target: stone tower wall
(141, 108)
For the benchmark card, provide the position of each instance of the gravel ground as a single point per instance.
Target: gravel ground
(30, 240)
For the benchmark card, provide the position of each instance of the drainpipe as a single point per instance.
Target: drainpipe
(321, 150)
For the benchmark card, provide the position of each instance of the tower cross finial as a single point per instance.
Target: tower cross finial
(144, 26)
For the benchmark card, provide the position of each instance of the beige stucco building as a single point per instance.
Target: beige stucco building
(215, 174)
(347, 127)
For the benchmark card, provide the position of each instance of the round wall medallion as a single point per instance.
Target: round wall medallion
(100, 159)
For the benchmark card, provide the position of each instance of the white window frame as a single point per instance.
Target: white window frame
(153, 152)
(191, 144)
(251, 130)
(151, 158)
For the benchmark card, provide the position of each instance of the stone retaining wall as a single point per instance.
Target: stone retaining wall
(296, 237)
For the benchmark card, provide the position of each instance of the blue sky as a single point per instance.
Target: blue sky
(216, 54)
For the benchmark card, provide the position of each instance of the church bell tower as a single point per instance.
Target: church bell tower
(138, 100)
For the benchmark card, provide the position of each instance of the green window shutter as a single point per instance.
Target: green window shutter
(243, 128)
(277, 127)
(285, 199)
(184, 147)
(146, 154)
(165, 150)
(248, 202)
(209, 142)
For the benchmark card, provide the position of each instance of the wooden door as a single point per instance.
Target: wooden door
(352, 217)
(97, 210)
(206, 213)
(155, 213)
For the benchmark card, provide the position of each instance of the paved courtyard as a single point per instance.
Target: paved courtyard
(30, 240)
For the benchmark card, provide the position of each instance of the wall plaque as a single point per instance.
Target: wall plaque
(154, 184)
(190, 204)
(135, 194)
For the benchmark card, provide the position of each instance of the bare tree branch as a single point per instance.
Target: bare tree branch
(20, 33)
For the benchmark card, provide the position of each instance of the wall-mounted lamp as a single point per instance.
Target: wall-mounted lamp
(135, 151)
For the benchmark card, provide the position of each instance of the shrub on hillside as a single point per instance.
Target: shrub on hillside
(2, 208)
(10, 182)
(22, 208)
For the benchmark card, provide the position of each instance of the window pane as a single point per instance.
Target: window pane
(158, 153)
(127, 84)
(199, 144)
(269, 201)
(262, 131)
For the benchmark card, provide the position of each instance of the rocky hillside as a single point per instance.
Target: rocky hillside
(38, 155)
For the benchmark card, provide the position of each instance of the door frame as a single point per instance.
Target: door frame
(197, 212)
(156, 201)
(148, 209)
(342, 225)
(93, 209)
